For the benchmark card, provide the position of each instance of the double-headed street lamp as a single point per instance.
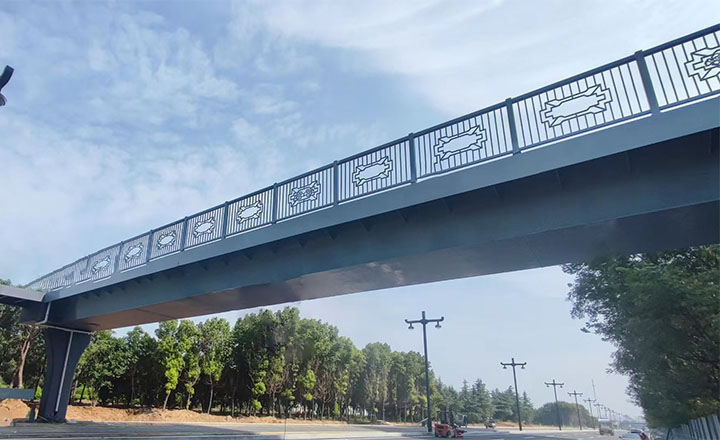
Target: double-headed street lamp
(577, 407)
(590, 403)
(425, 321)
(514, 364)
(557, 405)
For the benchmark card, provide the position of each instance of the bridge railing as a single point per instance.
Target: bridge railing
(647, 82)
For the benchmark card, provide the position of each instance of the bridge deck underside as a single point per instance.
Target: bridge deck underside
(656, 197)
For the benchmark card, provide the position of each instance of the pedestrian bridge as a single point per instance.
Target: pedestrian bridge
(622, 158)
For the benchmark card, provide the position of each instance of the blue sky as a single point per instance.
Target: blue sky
(127, 115)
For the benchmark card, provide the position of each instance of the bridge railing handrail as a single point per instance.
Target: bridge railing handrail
(497, 131)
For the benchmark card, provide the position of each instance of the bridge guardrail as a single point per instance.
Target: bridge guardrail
(674, 73)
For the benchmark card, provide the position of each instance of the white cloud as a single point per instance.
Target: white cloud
(464, 56)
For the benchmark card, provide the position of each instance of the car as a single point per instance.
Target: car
(631, 436)
(490, 424)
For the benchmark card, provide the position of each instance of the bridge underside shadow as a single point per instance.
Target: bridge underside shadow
(661, 196)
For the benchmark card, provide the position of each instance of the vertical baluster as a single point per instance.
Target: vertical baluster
(336, 184)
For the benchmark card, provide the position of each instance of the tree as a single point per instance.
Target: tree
(547, 414)
(662, 312)
(172, 347)
(214, 350)
(18, 342)
(504, 404)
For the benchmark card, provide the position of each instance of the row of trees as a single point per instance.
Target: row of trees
(266, 364)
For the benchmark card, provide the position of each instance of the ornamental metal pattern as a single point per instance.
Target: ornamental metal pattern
(167, 240)
(687, 70)
(250, 212)
(102, 264)
(593, 100)
(586, 103)
(481, 136)
(133, 252)
(205, 227)
(306, 193)
(471, 140)
(705, 63)
(674, 73)
(379, 169)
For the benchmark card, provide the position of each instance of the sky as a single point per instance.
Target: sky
(123, 116)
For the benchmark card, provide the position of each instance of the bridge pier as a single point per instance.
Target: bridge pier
(63, 349)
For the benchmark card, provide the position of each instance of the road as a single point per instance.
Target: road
(261, 431)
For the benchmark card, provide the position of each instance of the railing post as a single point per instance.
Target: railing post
(117, 257)
(647, 82)
(512, 127)
(149, 246)
(275, 203)
(336, 184)
(184, 234)
(413, 165)
(225, 220)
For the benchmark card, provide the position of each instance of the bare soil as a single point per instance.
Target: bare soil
(12, 409)
(16, 409)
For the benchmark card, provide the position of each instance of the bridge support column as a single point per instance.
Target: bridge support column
(62, 349)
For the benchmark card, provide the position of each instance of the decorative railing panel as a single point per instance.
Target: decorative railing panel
(167, 240)
(250, 212)
(204, 227)
(687, 70)
(673, 73)
(134, 252)
(586, 103)
(102, 264)
(377, 170)
(461, 143)
(304, 194)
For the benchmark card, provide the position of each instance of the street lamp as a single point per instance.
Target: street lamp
(514, 364)
(557, 405)
(424, 321)
(4, 78)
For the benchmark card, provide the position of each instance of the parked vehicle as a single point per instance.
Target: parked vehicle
(605, 427)
(490, 424)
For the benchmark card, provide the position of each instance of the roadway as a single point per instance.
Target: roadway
(261, 431)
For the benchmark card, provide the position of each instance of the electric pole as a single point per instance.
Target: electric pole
(424, 321)
(577, 407)
(557, 405)
(514, 364)
(590, 402)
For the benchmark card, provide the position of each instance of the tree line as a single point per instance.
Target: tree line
(276, 364)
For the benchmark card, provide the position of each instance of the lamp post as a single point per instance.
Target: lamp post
(424, 321)
(514, 364)
(557, 405)
(590, 402)
(577, 407)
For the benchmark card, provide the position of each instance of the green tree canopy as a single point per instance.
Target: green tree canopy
(662, 312)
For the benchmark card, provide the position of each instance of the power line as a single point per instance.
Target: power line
(514, 364)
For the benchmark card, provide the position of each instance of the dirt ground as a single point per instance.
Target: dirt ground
(16, 409)
(12, 409)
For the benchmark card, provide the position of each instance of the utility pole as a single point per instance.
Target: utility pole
(514, 364)
(557, 405)
(577, 407)
(590, 402)
(424, 321)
